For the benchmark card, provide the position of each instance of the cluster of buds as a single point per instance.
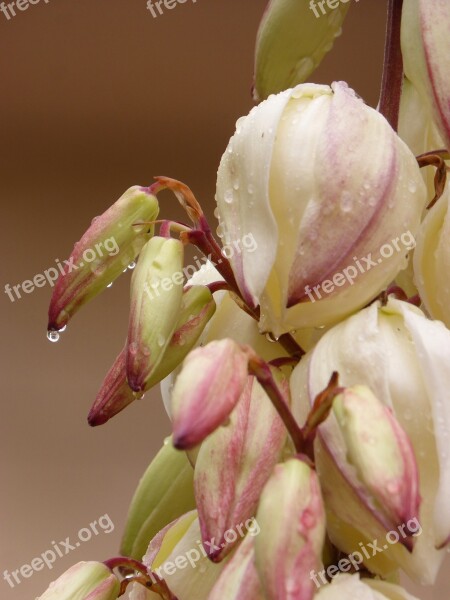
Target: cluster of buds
(308, 392)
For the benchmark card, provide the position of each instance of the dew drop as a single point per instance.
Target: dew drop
(167, 441)
(62, 329)
(160, 340)
(109, 285)
(132, 265)
(228, 196)
(271, 338)
(346, 202)
(236, 185)
(412, 187)
(52, 336)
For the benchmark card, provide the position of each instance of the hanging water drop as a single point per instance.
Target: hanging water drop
(132, 265)
(52, 336)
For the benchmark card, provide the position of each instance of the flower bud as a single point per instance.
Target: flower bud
(84, 581)
(207, 389)
(114, 395)
(174, 556)
(240, 578)
(156, 292)
(403, 356)
(232, 467)
(381, 452)
(426, 55)
(432, 260)
(110, 244)
(164, 493)
(332, 197)
(292, 522)
(197, 307)
(346, 587)
(293, 38)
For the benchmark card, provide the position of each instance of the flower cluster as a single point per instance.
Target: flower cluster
(321, 423)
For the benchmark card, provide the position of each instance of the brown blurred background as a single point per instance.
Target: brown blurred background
(97, 95)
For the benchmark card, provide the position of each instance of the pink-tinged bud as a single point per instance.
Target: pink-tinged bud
(197, 307)
(426, 56)
(233, 465)
(239, 580)
(381, 452)
(86, 581)
(156, 293)
(114, 395)
(293, 38)
(291, 517)
(110, 244)
(207, 389)
(331, 197)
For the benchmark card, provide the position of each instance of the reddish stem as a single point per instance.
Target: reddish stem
(392, 81)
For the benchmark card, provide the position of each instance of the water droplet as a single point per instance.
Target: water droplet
(271, 338)
(62, 329)
(52, 336)
(412, 187)
(236, 185)
(228, 196)
(109, 285)
(346, 202)
(216, 212)
(132, 265)
(160, 340)
(167, 441)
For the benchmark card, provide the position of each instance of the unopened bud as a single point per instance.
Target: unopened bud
(207, 389)
(156, 292)
(85, 580)
(381, 452)
(110, 244)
